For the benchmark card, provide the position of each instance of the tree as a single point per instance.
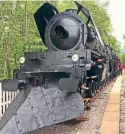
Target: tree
(18, 31)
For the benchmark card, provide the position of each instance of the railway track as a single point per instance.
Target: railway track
(90, 100)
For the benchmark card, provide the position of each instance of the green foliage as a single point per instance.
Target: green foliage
(19, 34)
(122, 56)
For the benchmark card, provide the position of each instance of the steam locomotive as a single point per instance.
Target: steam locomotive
(53, 83)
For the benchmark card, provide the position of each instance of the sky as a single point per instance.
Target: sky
(116, 11)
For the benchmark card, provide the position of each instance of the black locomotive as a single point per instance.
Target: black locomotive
(53, 83)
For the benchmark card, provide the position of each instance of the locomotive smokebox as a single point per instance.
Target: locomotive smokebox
(64, 31)
(63, 34)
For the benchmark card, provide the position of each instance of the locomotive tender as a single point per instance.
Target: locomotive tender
(53, 83)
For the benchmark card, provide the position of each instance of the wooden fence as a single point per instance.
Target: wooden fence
(5, 100)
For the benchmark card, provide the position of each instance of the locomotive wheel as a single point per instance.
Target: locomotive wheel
(103, 84)
(92, 90)
(100, 85)
(97, 87)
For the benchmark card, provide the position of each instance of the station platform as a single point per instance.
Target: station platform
(110, 122)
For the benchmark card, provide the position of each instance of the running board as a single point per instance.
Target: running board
(42, 107)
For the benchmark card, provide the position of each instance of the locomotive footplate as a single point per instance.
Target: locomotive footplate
(42, 69)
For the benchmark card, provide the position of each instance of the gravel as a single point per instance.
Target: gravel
(91, 126)
(122, 106)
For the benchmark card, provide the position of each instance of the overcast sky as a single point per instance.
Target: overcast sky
(116, 10)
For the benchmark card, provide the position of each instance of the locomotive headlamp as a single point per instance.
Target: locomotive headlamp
(75, 57)
(22, 60)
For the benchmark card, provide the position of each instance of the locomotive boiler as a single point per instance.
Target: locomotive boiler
(53, 83)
